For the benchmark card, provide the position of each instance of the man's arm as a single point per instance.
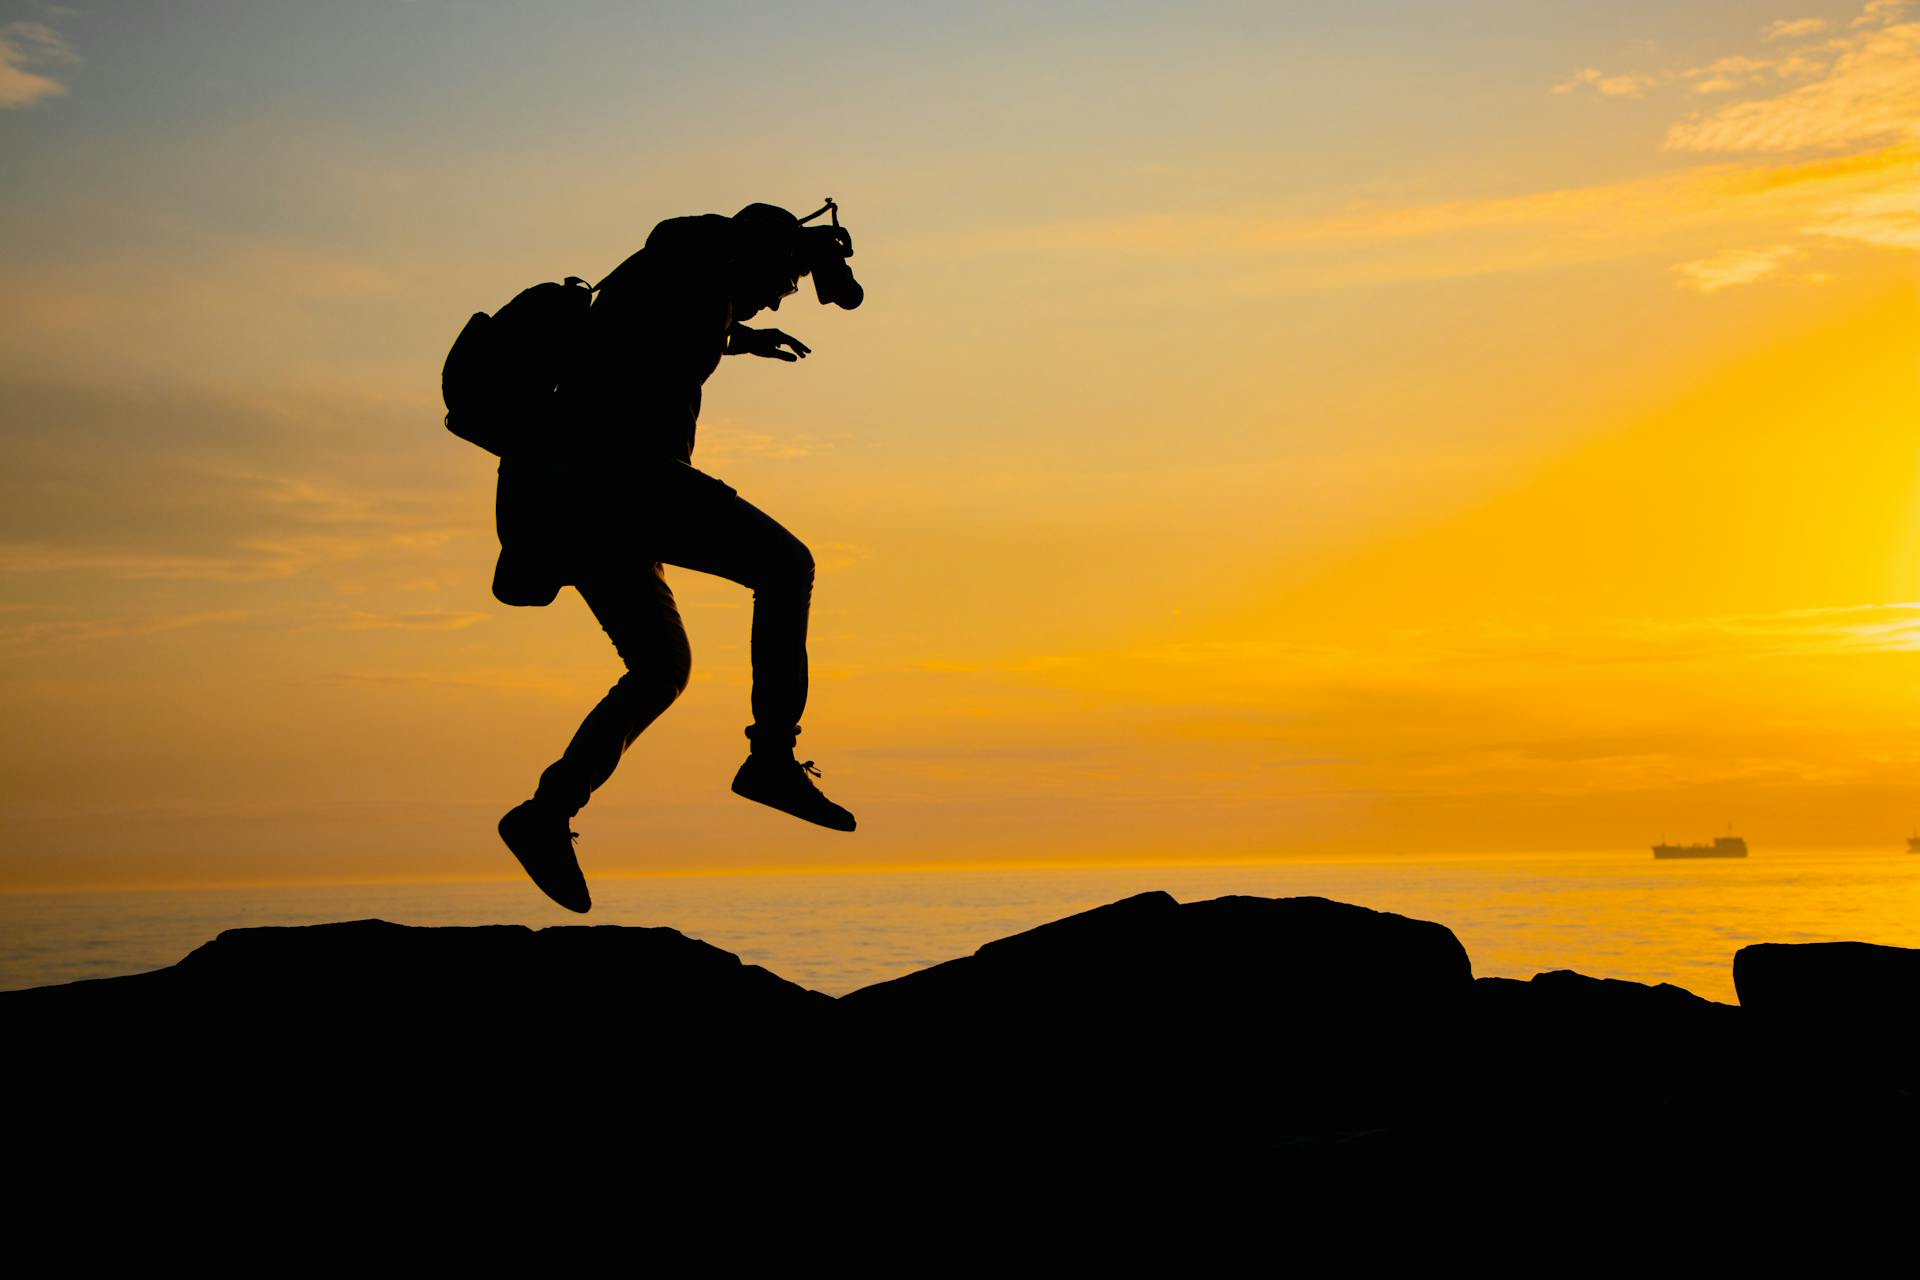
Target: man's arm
(742, 341)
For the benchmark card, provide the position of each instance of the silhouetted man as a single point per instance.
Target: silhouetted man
(619, 498)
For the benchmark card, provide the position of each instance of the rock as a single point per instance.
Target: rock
(372, 970)
(1605, 1040)
(381, 1017)
(1260, 1015)
(1145, 1038)
(1148, 957)
(1828, 980)
(1835, 1007)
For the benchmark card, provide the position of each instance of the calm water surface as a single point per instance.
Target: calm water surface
(1616, 915)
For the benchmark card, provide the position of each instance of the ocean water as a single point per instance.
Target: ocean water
(1608, 915)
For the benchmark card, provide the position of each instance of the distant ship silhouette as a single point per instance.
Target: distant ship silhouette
(1722, 847)
(1913, 844)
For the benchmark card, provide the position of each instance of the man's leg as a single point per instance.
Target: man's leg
(635, 607)
(706, 526)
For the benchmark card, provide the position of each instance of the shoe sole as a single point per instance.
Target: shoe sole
(831, 826)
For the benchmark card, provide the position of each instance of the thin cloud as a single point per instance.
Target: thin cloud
(1734, 267)
(415, 620)
(1864, 86)
(1858, 197)
(1890, 219)
(24, 45)
(724, 442)
(1859, 628)
(246, 566)
(1793, 28)
(57, 634)
(1880, 12)
(1870, 94)
(1627, 85)
(1723, 75)
(1799, 66)
(503, 679)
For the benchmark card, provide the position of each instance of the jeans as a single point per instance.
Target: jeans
(619, 546)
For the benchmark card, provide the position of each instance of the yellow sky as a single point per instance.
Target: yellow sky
(1262, 484)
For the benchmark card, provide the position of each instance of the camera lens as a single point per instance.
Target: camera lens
(835, 283)
(827, 251)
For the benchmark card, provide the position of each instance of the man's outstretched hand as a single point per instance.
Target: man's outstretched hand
(765, 342)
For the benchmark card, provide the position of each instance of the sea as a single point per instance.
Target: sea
(1609, 915)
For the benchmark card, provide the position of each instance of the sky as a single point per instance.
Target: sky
(1315, 428)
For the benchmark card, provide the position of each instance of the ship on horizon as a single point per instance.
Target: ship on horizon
(1722, 847)
(1913, 844)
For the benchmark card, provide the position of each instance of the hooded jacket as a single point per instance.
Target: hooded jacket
(629, 399)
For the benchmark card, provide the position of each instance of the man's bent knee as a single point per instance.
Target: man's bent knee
(649, 692)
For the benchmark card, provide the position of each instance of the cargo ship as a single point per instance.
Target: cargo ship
(1913, 844)
(1722, 847)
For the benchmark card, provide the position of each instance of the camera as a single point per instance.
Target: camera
(823, 254)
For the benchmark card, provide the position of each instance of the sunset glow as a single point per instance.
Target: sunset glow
(1369, 429)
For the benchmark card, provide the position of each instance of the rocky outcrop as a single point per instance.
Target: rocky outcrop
(1844, 1011)
(368, 970)
(1150, 959)
(1146, 1034)
(1267, 1015)
(1822, 980)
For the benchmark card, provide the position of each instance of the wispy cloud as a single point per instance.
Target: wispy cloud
(1736, 266)
(1793, 28)
(724, 441)
(58, 634)
(245, 565)
(1857, 88)
(1624, 85)
(1830, 630)
(1879, 12)
(1721, 224)
(1887, 218)
(24, 45)
(1870, 93)
(542, 682)
(1723, 75)
(414, 620)
(1836, 93)
(212, 489)
(1857, 197)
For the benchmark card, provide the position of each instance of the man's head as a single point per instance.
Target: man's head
(773, 249)
(768, 258)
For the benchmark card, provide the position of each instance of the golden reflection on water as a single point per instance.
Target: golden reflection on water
(1608, 915)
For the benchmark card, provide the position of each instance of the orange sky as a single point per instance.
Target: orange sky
(1359, 436)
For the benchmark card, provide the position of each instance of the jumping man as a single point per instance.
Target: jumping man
(617, 498)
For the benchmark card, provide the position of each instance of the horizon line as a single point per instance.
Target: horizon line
(824, 869)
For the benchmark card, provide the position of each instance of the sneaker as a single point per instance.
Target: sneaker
(786, 784)
(540, 839)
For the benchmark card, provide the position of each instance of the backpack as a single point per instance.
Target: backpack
(499, 378)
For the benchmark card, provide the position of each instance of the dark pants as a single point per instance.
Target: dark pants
(679, 516)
